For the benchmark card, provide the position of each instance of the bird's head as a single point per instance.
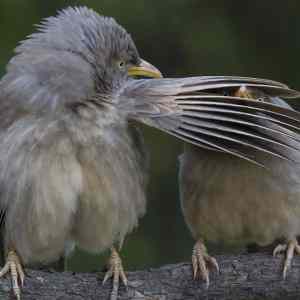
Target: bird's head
(72, 57)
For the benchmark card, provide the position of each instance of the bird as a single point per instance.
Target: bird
(73, 164)
(229, 200)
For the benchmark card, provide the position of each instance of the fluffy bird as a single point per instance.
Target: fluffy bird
(73, 170)
(227, 199)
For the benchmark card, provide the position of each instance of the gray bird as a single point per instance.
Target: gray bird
(73, 170)
(227, 199)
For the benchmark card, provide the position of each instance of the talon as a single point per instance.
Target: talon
(289, 248)
(200, 260)
(115, 271)
(14, 266)
(108, 274)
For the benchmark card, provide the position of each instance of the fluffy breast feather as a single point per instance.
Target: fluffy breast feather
(225, 198)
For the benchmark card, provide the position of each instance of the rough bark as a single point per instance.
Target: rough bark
(249, 276)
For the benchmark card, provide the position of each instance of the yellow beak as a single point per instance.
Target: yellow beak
(144, 69)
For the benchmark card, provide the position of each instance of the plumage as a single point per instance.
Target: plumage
(73, 171)
(226, 199)
(178, 106)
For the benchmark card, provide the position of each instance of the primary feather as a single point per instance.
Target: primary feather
(196, 111)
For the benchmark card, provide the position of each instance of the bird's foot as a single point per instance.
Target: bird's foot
(115, 271)
(14, 267)
(289, 249)
(201, 261)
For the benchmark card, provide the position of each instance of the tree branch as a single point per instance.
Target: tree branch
(247, 276)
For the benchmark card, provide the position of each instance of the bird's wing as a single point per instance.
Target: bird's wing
(197, 110)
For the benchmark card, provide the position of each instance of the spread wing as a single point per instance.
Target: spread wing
(204, 112)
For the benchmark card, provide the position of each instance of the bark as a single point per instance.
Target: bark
(247, 276)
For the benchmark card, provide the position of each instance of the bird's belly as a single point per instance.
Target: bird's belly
(233, 201)
(236, 223)
(113, 196)
(38, 224)
(91, 194)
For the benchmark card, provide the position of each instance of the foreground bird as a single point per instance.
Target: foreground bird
(226, 199)
(73, 171)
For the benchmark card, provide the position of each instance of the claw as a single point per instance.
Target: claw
(13, 265)
(116, 271)
(108, 274)
(200, 260)
(289, 248)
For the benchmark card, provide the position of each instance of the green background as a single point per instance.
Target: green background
(181, 37)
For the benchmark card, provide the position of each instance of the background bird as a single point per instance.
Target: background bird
(73, 170)
(226, 199)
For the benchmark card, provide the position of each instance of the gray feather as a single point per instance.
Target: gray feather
(72, 170)
(167, 105)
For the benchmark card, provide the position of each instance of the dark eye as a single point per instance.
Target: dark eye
(121, 64)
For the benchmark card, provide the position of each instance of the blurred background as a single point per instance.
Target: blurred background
(190, 37)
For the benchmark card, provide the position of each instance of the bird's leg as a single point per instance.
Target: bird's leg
(115, 271)
(201, 261)
(14, 267)
(289, 249)
(243, 92)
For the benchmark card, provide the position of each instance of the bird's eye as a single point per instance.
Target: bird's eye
(121, 64)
